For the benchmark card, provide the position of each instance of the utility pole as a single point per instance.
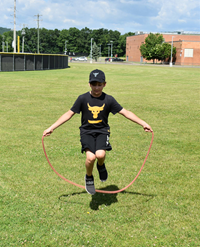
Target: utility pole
(108, 50)
(3, 43)
(111, 50)
(91, 51)
(171, 52)
(66, 47)
(14, 30)
(23, 34)
(38, 25)
(100, 53)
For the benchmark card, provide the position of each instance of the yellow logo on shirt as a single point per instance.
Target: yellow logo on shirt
(95, 111)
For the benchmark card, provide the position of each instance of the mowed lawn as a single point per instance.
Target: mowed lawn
(161, 208)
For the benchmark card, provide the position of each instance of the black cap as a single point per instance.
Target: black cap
(97, 75)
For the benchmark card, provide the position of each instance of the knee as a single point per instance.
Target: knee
(100, 154)
(91, 158)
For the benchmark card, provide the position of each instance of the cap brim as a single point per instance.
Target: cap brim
(93, 80)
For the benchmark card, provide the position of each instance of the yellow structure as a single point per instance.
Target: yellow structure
(18, 44)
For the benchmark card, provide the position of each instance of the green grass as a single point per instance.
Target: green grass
(161, 208)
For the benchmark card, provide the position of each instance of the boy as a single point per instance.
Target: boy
(95, 107)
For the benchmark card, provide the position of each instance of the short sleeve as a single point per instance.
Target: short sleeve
(115, 106)
(77, 105)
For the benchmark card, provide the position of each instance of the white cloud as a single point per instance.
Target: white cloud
(182, 21)
(172, 14)
(122, 15)
(72, 22)
(173, 9)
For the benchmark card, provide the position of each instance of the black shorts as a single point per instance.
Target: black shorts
(94, 142)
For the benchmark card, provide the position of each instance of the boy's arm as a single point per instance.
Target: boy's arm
(64, 118)
(134, 118)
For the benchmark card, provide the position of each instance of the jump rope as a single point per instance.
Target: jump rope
(99, 191)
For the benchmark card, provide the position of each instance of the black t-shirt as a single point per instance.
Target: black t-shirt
(95, 112)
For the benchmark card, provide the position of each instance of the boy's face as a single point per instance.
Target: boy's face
(97, 88)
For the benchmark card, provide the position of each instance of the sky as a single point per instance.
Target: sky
(121, 15)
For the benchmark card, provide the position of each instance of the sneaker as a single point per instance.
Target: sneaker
(89, 185)
(103, 175)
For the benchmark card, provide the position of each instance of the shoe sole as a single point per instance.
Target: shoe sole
(89, 192)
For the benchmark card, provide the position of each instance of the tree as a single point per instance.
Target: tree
(1, 39)
(85, 37)
(74, 39)
(7, 37)
(3, 30)
(163, 51)
(95, 51)
(78, 41)
(114, 37)
(148, 49)
(31, 40)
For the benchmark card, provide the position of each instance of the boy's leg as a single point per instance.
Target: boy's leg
(102, 145)
(89, 163)
(89, 179)
(100, 155)
(103, 175)
(88, 146)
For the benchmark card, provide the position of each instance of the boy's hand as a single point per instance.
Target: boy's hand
(48, 132)
(147, 128)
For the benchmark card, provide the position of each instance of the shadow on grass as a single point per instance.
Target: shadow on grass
(106, 199)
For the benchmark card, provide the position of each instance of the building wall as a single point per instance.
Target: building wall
(180, 41)
(178, 37)
(133, 44)
(195, 60)
(177, 60)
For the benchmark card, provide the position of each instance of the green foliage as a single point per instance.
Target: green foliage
(8, 38)
(78, 41)
(95, 51)
(155, 48)
(161, 208)
(163, 51)
(3, 30)
(31, 40)
(148, 49)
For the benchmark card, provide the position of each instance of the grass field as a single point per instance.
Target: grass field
(161, 208)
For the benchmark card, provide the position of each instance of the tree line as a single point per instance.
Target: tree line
(74, 40)
(77, 41)
(4, 29)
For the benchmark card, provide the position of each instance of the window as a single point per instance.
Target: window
(188, 53)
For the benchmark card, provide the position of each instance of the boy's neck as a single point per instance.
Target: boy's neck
(96, 96)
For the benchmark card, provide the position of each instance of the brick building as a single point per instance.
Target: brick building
(187, 48)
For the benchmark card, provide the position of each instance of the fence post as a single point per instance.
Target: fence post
(13, 62)
(24, 62)
(42, 63)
